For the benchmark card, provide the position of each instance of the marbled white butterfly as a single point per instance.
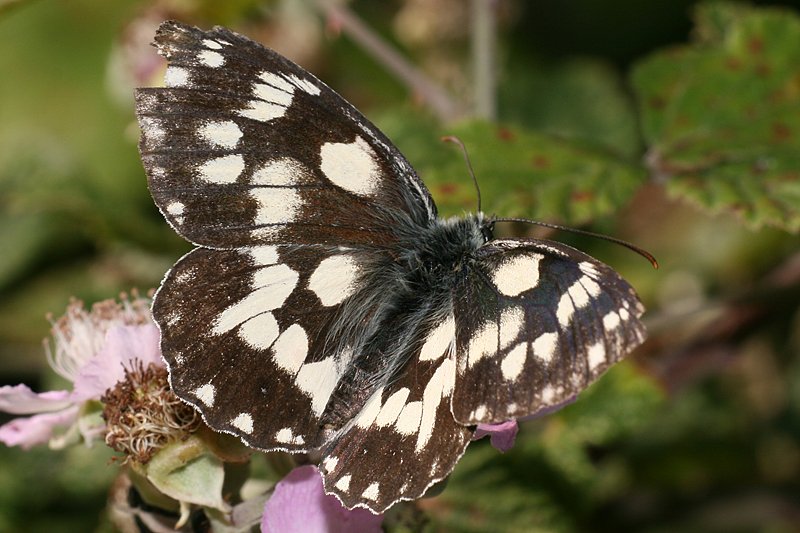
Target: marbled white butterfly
(326, 307)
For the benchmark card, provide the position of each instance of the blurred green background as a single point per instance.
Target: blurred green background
(670, 123)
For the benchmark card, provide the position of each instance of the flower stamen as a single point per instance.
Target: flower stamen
(143, 414)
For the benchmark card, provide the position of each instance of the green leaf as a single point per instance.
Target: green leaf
(721, 116)
(520, 172)
(550, 471)
(617, 405)
(186, 471)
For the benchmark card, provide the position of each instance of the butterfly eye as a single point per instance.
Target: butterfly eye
(487, 230)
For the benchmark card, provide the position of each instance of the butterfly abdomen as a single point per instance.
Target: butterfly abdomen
(411, 291)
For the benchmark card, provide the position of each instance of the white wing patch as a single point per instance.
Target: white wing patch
(548, 393)
(372, 492)
(611, 320)
(578, 295)
(206, 394)
(370, 409)
(176, 209)
(596, 354)
(260, 331)
(589, 269)
(318, 381)
(211, 59)
(176, 77)
(545, 346)
(392, 408)
(304, 85)
(514, 361)
(291, 349)
(222, 133)
(410, 418)
(274, 97)
(439, 341)
(153, 130)
(329, 463)
(512, 323)
(489, 339)
(271, 286)
(243, 422)
(518, 275)
(479, 412)
(439, 386)
(343, 483)
(334, 279)
(264, 254)
(285, 171)
(276, 205)
(286, 436)
(263, 111)
(482, 343)
(222, 170)
(211, 43)
(351, 166)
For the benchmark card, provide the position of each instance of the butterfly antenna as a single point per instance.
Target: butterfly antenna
(644, 253)
(456, 140)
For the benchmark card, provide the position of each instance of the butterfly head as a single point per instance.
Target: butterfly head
(486, 225)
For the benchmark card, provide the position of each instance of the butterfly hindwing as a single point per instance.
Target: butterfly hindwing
(252, 324)
(405, 438)
(244, 147)
(538, 322)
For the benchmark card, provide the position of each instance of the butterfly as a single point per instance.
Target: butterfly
(326, 307)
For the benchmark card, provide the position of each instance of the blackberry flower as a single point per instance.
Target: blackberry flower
(92, 349)
(299, 504)
(143, 415)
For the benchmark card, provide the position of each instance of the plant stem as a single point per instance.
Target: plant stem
(484, 52)
(436, 97)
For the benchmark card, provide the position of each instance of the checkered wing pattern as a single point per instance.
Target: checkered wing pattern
(326, 307)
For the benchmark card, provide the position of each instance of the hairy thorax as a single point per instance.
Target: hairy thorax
(442, 250)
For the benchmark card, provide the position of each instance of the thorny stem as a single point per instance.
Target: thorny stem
(484, 44)
(442, 104)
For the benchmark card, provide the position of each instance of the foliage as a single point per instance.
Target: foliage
(720, 115)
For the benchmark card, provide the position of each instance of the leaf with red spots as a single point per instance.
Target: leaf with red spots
(525, 173)
(721, 116)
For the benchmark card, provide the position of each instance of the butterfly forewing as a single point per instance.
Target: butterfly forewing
(539, 322)
(244, 147)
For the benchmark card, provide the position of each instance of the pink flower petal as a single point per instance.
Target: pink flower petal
(502, 435)
(21, 400)
(123, 346)
(38, 429)
(133, 343)
(299, 505)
